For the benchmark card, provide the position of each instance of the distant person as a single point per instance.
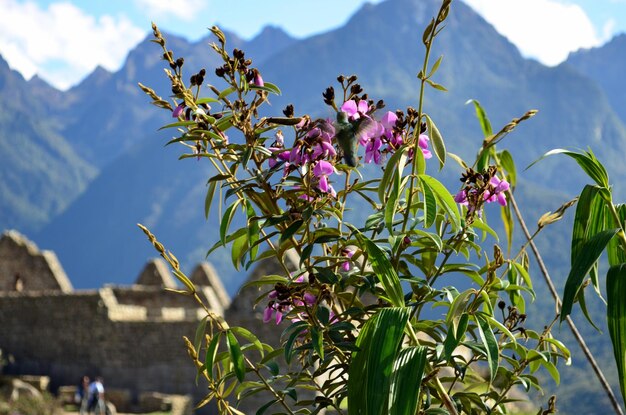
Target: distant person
(82, 395)
(96, 404)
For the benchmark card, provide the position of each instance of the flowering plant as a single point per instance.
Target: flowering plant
(356, 306)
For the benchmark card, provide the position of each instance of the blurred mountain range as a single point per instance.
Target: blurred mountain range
(79, 169)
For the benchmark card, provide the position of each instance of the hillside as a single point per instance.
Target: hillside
(40, 172)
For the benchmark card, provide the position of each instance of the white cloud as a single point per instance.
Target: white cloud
(62, 44)
(546, 30)
(182, 9)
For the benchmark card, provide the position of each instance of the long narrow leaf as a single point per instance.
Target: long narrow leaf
(589, 254)
(384, 271)
(445, 199)
(408, 370)
(616, 319)
(490, 343)
(370, 373)
(439, 148)
(236, 356)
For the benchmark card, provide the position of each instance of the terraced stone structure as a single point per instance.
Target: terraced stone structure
(130, 335)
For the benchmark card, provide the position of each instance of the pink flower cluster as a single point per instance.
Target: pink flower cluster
(315, 150)
(281, 303)
(383, 137)
(493, 193)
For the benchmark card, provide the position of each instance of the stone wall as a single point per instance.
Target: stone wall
(66, 337)
(23, 267)
(130, 335)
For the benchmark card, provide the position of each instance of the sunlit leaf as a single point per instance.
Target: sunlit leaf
(589, 254)
(439, 148)
(385, 272)
(490, 343)
(408, 370)
(236, 356)
(616, 319)
(370, 371)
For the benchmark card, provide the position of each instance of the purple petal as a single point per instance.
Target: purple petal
(502, 199)
(363, 107)
(349, 107)
(389, 120)
(323, 168)
(258, 80)
(267, 314)
(323, 185)
(178, 110)
(279, 317)
(309, 298)
(422, 141)
(461, 197)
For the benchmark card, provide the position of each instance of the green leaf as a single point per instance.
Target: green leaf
(291, 230)
(454, 336)
(268, 87)
(485, 125)
(589, 254)
(178, 124)
(508, 223)
(200, 330)
(265, 407)
(385, 272)
(208, 200)
(254, 230)
(435, 66)
(248, 335)
(370, 372)
(226, 219)
(439, 148)
(239, 248)
(490, 343)
(445, 199)
(436, 85)
(430, 207)
(226, 92)
(615, 252)
(318, 342)
(587, 161)
(236, 357)
(389, 172)
(408, 370)
(206, 100)
(616, 319)
(211, 352)
(506, 161)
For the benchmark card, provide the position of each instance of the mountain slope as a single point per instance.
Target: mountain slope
(606, 65)
(40, 173)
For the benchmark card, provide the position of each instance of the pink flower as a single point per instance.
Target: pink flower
(257, 79)
(354, 110)
(422, 142)
(347, 265)
(322, 170)
(372, 150)
(499, 187)
(178, 110)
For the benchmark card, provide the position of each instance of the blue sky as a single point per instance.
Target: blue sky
(63, 40)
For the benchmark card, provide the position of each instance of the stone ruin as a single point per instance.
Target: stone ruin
(130, 335)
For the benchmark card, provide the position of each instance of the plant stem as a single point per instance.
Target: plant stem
(570, 322)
